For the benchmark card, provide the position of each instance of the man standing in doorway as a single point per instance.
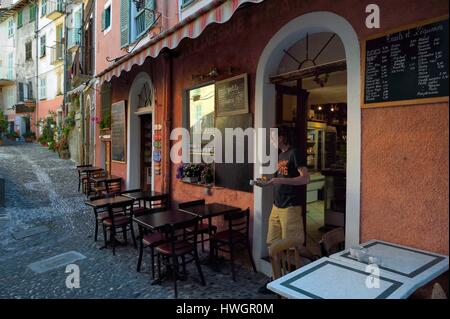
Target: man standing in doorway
(286, 220)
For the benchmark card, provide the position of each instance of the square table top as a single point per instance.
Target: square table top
(90, 169)
(159, 220)
(210, 210)
(104, 202)
(334, 279)
(415, 265)
(139, 195)
(106, 178)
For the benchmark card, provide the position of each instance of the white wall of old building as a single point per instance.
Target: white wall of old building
(52, 74)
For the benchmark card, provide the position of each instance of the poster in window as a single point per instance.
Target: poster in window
(232, 96)
(118, 132)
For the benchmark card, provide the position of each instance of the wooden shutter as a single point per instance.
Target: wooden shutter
(103, 20)
(30, 90)
(124, 22)
(21, 97)
(149, 15)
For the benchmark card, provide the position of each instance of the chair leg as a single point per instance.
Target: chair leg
(203, 242)
(79, 184)
(105, 236)
(141, 252)
(175, 275)
(153, 261)
(233, 271)
(199, 268)
(96, 229)
(159, 266)
(251, 256)
(124, 232)
(133, 237)
(113, 239)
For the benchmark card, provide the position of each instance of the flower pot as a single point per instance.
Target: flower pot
(28, 139)
(190, 179)
(12, 138)
(64, 154)
(1, 141)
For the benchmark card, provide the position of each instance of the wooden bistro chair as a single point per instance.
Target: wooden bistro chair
(234, 238)
(287, 255)
(111, 188)
(120, 216)
(91, 187)
(332, 242)
(99, 214)
(181, 246)
(203, 227)
(149, 239)
(82, 176)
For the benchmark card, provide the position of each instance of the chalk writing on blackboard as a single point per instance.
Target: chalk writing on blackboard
(118, 132)
(408, 66)
(232, 96)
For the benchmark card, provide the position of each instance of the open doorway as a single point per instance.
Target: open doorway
(311, 97)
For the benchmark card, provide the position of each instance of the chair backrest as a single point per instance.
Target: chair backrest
(285, 255)
(438, 292)
(178, 237)
(125, 207)
(114, 187)
(82, 166)
(191, 203)
(332, 242)
(160, 205)
(238, 221)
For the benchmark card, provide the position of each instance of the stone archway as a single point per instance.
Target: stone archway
(268, 63)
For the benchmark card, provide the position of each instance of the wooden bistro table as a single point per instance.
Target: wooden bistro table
(208, 211)
(105, 179)
(400, 271)
(160, 220)
(89, 171)
(106, 202)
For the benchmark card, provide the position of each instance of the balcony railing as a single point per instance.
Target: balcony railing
(57, 55)
(55, 9)
(140, 23)
(7, 77)
(73, 38)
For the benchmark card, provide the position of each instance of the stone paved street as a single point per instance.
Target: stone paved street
(41, 197)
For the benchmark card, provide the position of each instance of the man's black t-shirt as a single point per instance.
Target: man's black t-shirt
(288, 164)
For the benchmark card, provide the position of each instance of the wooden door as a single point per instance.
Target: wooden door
(146, 152)
(291, 109)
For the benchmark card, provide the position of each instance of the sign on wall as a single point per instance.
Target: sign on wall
(118, 132)
(407, 66)
(232, 96)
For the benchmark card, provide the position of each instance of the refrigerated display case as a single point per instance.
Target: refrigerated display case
(315, 159)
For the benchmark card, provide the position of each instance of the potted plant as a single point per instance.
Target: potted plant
(29, 136)
(207, 175)
(63, 149)
(12, 136)
(191, 173)
(3, 126)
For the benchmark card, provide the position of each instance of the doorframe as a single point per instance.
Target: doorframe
(134, 168)
(270, 59)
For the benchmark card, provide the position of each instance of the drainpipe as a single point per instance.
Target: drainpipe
(81, 48)
(36, 36)
(167, 120)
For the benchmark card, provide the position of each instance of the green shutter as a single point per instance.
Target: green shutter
(149, 15)
(124, 22)
(103, 20)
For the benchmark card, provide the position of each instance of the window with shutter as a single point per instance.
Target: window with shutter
(30, 90)
(32, 11)
(103, 20)
(43, 46)
(21, 97)
(150, 14)
(28, 53)
(124, 22)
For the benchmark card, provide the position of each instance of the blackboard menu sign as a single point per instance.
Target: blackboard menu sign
(234, 175)
(232, 96)
(407, 66)
(118, 132)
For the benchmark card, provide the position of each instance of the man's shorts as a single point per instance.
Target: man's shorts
(285, 223)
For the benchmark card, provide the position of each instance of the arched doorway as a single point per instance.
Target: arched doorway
(265, 115)
(140, 110)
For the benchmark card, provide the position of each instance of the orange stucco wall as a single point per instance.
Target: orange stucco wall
(404, 182)
(405, 176)
(44, 107)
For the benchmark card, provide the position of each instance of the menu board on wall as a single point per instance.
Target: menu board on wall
(407, 66)
(232, 96)
(118, 132)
